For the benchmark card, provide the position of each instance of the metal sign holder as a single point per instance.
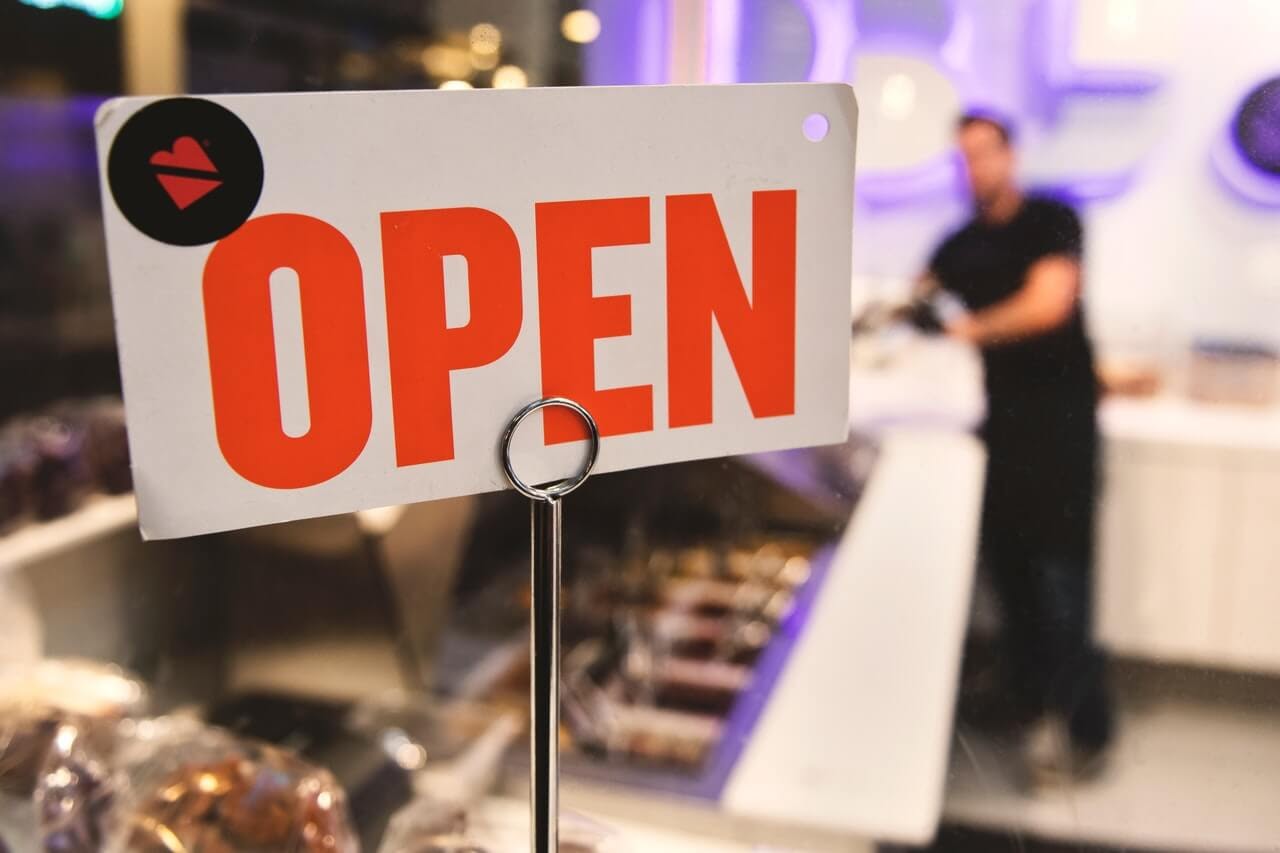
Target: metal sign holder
(544, 623)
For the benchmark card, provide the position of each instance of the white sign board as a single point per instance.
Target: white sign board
(328, 302)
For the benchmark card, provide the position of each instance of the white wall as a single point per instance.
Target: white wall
(1179, 251)
(1176, 256)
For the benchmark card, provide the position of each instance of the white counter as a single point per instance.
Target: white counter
(855, 736)
(938, 382)
(1189, 551)
(1188, 566)
(1180, 421)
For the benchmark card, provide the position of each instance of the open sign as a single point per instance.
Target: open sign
(331, 302)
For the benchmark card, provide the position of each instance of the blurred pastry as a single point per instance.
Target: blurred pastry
(201, 790)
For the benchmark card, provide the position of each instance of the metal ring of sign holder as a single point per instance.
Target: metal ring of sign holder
(564, 487)
(544, 624)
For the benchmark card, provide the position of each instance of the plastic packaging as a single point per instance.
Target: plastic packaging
(429, 826)
(461, 749)
(74, 794)
(188, 787)
(35, 699)
(455, 750)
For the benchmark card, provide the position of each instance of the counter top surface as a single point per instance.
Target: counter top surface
(876, 666)
(1169, 419)
(924, 381)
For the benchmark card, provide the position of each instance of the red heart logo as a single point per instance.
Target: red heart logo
(186, 154)
(185, 157)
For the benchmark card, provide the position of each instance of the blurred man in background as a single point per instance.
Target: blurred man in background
(1016, 267)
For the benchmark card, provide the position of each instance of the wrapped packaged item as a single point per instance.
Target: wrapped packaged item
(416, 731)
(454, 750)
(374, 770)
(461, 747)
(429, 826)
(36, 699)
(191, 788)
(74, 794)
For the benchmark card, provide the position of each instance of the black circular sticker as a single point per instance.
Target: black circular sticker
(185, 171)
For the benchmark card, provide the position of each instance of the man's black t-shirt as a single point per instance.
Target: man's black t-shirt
(984, 264)
(1041, 390)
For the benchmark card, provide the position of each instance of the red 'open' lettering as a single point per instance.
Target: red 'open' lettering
(571, 318)
(423, 349)
(703, 283)
(704, 289)
(242, 354)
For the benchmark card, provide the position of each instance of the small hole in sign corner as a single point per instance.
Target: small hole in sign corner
(815, 127)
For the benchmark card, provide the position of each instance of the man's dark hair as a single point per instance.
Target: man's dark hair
(999, 123)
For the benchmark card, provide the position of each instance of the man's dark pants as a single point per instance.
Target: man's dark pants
(1037, 545)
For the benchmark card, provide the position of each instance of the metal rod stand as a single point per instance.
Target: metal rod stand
(544, 626)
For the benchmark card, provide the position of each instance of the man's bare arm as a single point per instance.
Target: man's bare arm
(924, 287)
(1043, 303)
